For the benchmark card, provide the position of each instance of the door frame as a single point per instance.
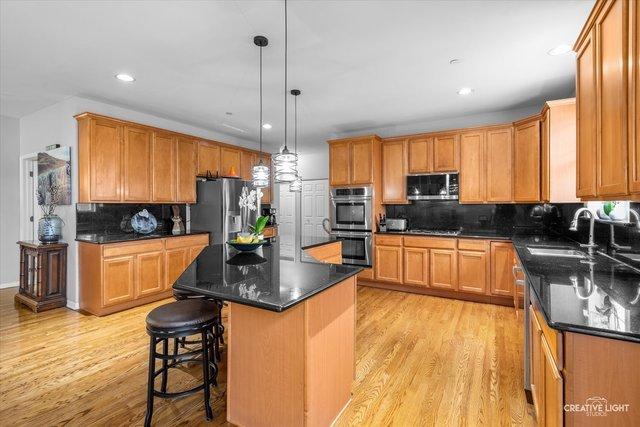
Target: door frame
(28, 228)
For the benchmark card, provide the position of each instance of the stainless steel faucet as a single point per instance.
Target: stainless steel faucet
(613, 244)
(574, 227)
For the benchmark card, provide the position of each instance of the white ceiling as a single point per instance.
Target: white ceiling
(359, 64)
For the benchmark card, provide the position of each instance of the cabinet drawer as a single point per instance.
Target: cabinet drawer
(552, 337)
(473, 244)
(129, 248)
(429, 242)
(181, 242)
(387, 240)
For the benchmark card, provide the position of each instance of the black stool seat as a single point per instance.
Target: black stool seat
(182, 314)
(179, 294)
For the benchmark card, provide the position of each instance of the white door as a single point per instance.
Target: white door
(286, 222)
(315, 208)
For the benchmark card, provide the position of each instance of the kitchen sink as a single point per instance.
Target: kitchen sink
(564, 253)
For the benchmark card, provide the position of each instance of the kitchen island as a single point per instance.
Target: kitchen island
(291, 333)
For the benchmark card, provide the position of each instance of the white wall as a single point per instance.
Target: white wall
(9, 200)
(56, 125)
(314, 164)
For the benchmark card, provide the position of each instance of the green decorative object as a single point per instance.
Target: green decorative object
(261, 223)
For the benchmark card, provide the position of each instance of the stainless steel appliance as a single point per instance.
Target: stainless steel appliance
(356, 246)
(438, 186)
(396, 224)
(521, 281)
(217, 210)
(351, 208)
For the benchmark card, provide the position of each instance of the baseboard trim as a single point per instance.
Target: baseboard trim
(9, 285)
(73, 305)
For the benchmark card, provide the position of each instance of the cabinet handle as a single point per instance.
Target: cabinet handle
(515, 269)
(520, 282)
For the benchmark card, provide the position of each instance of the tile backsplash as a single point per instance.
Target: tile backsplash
(108, 217)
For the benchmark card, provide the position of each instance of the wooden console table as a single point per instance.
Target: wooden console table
(43, 275)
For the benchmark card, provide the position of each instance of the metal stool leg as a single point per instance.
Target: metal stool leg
(150, 386)
(165, 362)
(205, 374)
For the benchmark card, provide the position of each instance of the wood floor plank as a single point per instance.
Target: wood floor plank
(420, 360)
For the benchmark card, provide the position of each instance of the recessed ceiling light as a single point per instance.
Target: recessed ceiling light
(267, 126)
(233, 127)
(454, 61)
(465, 91)
(561, 49)
(229, 113)
(125, 78)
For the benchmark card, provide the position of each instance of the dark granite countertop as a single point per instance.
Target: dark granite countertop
(259, 279)
(464, 234)
(312, 242)
(601, 298)
(112, 237)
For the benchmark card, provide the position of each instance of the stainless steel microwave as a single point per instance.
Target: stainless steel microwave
(437, 186)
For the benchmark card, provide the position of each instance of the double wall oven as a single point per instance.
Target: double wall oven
(352, 221)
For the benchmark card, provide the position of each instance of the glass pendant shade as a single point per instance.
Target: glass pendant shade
(296, 184)
(285, 164)
(260, 175)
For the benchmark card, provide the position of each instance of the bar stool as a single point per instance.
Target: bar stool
(177, 320)
(181, 295)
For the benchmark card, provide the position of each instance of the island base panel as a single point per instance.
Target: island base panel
(292, 368)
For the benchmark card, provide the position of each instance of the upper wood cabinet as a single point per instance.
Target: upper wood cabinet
(526, 161)
(606, 61)
(247, 160)
(394, 181)
(634, 105)
(208, 158)
(163, 167)
(502, 281)
(136, 176)
(229, 162)
(445, 153)
(186, 165)
(353, 161)
(420, 153)
(499, 158)
(472, 167)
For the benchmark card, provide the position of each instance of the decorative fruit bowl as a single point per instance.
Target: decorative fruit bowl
(246, 247)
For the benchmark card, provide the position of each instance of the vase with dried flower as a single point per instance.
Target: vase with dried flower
(50, 225)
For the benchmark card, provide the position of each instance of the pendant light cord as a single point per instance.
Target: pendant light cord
(260, 105)
(295, 135)
(285, 74)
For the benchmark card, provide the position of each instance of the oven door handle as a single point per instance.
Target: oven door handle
(340, 234)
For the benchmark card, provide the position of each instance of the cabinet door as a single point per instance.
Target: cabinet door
(186, 164)
(586, 126)
(502, 269)
(416, 266)
(545, 132)
(194, 251)
(339, 163)
(105, 160)
(163, 168)
(150, 277)
(472, 168)
(445, 153)
(420, 155)
(634, 103)
(175, 264)
(208, 158)
(472, 272)
(137, 164)
(499, 158)
(443, 269)
(247, 161)
(526, 162)
(118, 280)
(388, 263)
(362, 162)
(229, 162)
(611, 61)
(394, 182)
(537, 367)
(553, 388)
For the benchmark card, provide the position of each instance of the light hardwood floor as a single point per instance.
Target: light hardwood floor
(420, 361)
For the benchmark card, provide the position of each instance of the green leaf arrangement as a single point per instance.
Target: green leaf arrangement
(261, 222)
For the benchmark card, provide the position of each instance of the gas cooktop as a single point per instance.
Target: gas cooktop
(434, 232)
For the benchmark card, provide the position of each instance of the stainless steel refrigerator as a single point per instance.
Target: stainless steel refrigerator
(217, 210)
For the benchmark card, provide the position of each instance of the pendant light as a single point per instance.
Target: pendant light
(285, 162)
(260, 172)
(296, 184)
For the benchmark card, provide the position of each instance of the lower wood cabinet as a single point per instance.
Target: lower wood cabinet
(444, 269)
(331, 253)
(502, 281)
(416, 266)
(472, 271)
(388, 265)
(117, 276)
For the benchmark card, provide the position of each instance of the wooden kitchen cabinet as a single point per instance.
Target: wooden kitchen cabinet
(176, 261)
(353, 161)
(445, 153)
(537, 367)
(186, 170)
(163, 167)
(416, 266)
(136, 176)
(150, 278)
(420, 153)
(443, 269)
(634, 104)
(553, 398)
(208, 159)
(388, 265)
(586, 128)
(499, 164)
(472, 167)
(118, 280)
(229, 162)
(394, 166)
(502, 281)
(362, 162)
(472, 271)
(339, 162)
(248, 160)
(266, 191)
(526, 161)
